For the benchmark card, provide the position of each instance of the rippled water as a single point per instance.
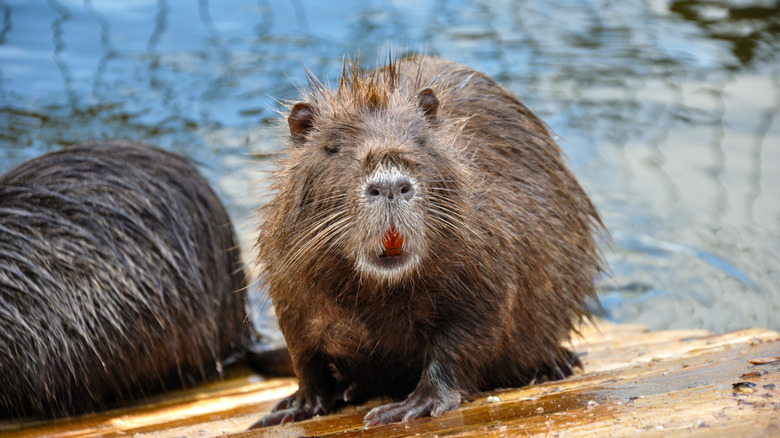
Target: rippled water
(668, 111)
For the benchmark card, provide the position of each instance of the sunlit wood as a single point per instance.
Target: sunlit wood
(665, 383)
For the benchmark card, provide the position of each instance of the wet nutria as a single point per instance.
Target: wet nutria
(426, 240)
(119, 276)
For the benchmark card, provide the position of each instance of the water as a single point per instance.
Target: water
(668, 112)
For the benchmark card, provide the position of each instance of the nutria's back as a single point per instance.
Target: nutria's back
(528, 202)
(119, 276)
(425, 230)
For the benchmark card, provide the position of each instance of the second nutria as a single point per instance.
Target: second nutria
(426, 240)
(120, 275)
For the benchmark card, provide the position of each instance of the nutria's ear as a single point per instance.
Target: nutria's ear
(301, 119)
(428, 102)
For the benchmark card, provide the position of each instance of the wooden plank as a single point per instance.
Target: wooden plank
(660, 383)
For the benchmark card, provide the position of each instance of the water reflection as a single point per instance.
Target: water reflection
(752, 27)
(668, 111)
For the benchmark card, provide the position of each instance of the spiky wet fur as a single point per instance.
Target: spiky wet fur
(501, 232)
(119, 276)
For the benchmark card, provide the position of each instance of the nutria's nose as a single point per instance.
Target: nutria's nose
(394, 187)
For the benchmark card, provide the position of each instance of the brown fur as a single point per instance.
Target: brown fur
(119, 276)
(498, 261)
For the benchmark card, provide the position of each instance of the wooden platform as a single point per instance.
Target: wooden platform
(685, 382)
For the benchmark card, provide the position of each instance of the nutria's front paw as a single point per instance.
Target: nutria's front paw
(418, 404)
(295, 407)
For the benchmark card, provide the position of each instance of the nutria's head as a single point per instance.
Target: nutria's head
(371, 179)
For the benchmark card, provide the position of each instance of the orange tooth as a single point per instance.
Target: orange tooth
(393, 241)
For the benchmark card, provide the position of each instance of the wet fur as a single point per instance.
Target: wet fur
(119, 276)
(501, 231)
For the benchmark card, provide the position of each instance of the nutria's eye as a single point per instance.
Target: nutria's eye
(334, 141)
(332, 147)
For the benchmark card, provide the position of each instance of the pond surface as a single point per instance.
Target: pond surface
(668, 111)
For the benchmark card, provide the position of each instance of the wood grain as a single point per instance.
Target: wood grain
(677, 382)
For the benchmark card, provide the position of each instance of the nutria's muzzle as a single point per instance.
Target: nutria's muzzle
(391, 201)
(393, 188)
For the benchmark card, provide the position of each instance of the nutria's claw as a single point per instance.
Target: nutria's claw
(280, 417)
(284, 403)
(556, 374)
(295, 407)
(576, 361)
(415, 406)
(564, 368)
(349, 394)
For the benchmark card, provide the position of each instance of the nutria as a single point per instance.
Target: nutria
(119, 276)
(426, 240)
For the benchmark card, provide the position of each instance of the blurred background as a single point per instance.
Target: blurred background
(668, 111)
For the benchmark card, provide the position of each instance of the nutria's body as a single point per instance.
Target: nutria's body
(426, 241)
(119, 276)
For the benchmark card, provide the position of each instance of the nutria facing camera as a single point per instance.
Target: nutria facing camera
(426, 240)
(120, 275)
